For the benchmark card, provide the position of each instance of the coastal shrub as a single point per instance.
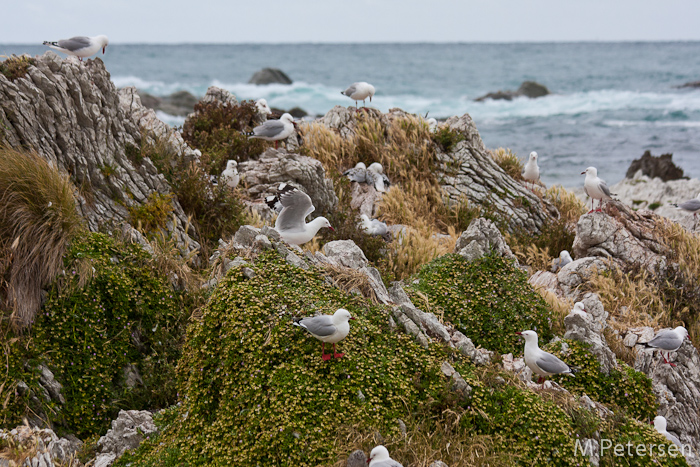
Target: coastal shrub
(38, 218)
(15, 67)
(446, 138)
(624, 388)
(488, 300)
(509, 162)
(152, 215)
(110, 310)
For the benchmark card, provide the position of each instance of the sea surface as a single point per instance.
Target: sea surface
(610, 101)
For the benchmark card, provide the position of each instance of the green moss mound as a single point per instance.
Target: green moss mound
(626, 388)
(111, 309)
(488, 300)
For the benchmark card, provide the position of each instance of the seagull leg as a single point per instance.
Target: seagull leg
(668, 360)
(324, 357)
(337, 355)
(276, 142)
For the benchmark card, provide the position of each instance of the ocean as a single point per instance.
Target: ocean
(610, 101)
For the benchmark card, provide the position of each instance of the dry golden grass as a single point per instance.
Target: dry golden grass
(508, 161)
(416, 247)
(570, 207)
(351, 280)
(559, 306)
(537, 258)
(38, 218)
(621, 351)
(685, 247)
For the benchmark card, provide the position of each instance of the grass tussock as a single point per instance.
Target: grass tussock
(621, 351)
(570, 207)
(559, 307)
(15, 67)
(351, 280)
(38, 218)
(509, 162)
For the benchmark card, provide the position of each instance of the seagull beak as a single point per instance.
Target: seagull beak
(519, 333)
(103, 49)
(331, 228)
(583, 173)
(352, 318)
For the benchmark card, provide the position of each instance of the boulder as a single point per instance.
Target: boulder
(655, 166)
(46, 448)
(689, 84)
(180, 103)
(218, 95)
(529, 89)
(127, 432)
(481, 237)
(588, 328)
(263, 176)
(269, 76)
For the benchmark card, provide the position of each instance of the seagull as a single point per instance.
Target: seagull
(595, 187)
(357, 173)
(379, 457)
(359, 92)
(532, 171)
(541, 362)
(373, 226)
(563, 260)
(291, 222)
(660, 425)
(80, 46)
(376, 172)
(327, 328)
(692, 206)
(579, 307)
(263, 108)
(230, 175)
(274, 130)
(669, 340)
(432, 125)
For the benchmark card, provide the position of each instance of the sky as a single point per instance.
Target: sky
(289, 21)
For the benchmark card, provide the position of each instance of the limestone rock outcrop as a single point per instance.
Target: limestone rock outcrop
(128, 431)
(480, 238)
(48, 448)
(588, 328)
(655, 167)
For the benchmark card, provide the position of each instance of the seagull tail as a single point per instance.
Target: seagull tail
(249, 134)
(573, 371)
(55, 44)
(296, 321)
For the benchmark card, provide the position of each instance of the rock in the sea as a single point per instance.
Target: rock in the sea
(180, 103)
(655, 166)
(128, 431)
(690, 84)
(270, 76)
(529, 89)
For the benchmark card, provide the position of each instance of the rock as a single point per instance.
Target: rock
(364, 198)
(358, 458)
(180, 103)
(127, 432)
(438, 464)
(297, 112)
(261, 243)
(690, 84)
(458, 383)
(44, 447)
(529, 89)
(132, 377)
(655, 166)
(588, 328)
(630, 339)
(218, 95)
(269, 76)
(578, 272)
(245, 236)
(50, 387)
(345, 253)
(264, 175)
(590, 447)
(481, 237)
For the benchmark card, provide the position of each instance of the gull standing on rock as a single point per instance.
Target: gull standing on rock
(230, 175)
(669, 340)
(379, 457)
(595, 187)
(291, 222)
(80, 46)
(541, 362)
(274, 130)
(532, 171)
(327, 328)
(359, 92)
(660, 425)
(563, 260)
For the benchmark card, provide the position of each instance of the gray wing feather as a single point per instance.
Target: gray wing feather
(692, 205)
(604, 188)
(269, 129)
(296, 205)
(319, 325)
(673, 439)
(585, 190)
(351, 90)
(356, 175)
(666, 340)
(552, 364)
(74, 43)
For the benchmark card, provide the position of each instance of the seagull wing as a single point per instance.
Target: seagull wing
(551, 364)
(269, 129)
(604, 187)
(75, 43)
(351, 90)
(692, 205)
(321, 326)
(296, 205)
(667, 339)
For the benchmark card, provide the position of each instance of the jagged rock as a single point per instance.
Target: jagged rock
(677, 389)
(132, 376)
(529, 89)
(517, 366)
(690, 84)
(127, 432)
(588, 327)
(458, 383)
(358, 458)
(364, 198)
(345, 253)
(623, 235)
(50, 387)
(270, 76)
(73, 116)
(469, 172)
(49, 449)
(218, 95)
(480, 238)
(180, 103)
(264, 175)
(245, 236)
(655, 166)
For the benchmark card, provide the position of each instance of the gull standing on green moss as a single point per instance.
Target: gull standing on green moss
(80, 46)
(379, 457)
(274, 130)
(291, 224)
(327, 328)
(540, 362)
(669, 340)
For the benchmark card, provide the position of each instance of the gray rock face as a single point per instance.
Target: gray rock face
(263, 176)
(218, 95)
(588, 328)
(655, 166)
(50, 387)
(72, 115)
(127, 432)
(269, 76)
(480, 238)
(50, 449)
(469, 172)
(345, 253)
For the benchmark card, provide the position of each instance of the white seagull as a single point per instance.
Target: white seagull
(595, 187)
(274, 130)
(291, 222)
(359, 92)
(432, 125)
(373, 226)
(660, 425)
(669, 340)
(532, 171)
(230, 175)
(379, 457)
(563, 260)
(541, 362)
(579, 307)
(80, 46)
(327, 328)
(691, 206)
(381, 181)
(263, 108)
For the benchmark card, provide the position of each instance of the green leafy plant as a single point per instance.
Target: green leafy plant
(15, 67)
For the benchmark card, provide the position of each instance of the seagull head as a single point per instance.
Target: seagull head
(326, 223)
(682, 331)
(379, 453)
(341, 315)
(231, 164)
(592, 171)
(660, 423)
(104, 42)
(579, 306)
(533, 156)
(371, 91)
(262, 106)
(529, 336)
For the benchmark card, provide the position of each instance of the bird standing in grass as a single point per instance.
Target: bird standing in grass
(329, 329)
(540, 362)
(379, 457)
(80, 46)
